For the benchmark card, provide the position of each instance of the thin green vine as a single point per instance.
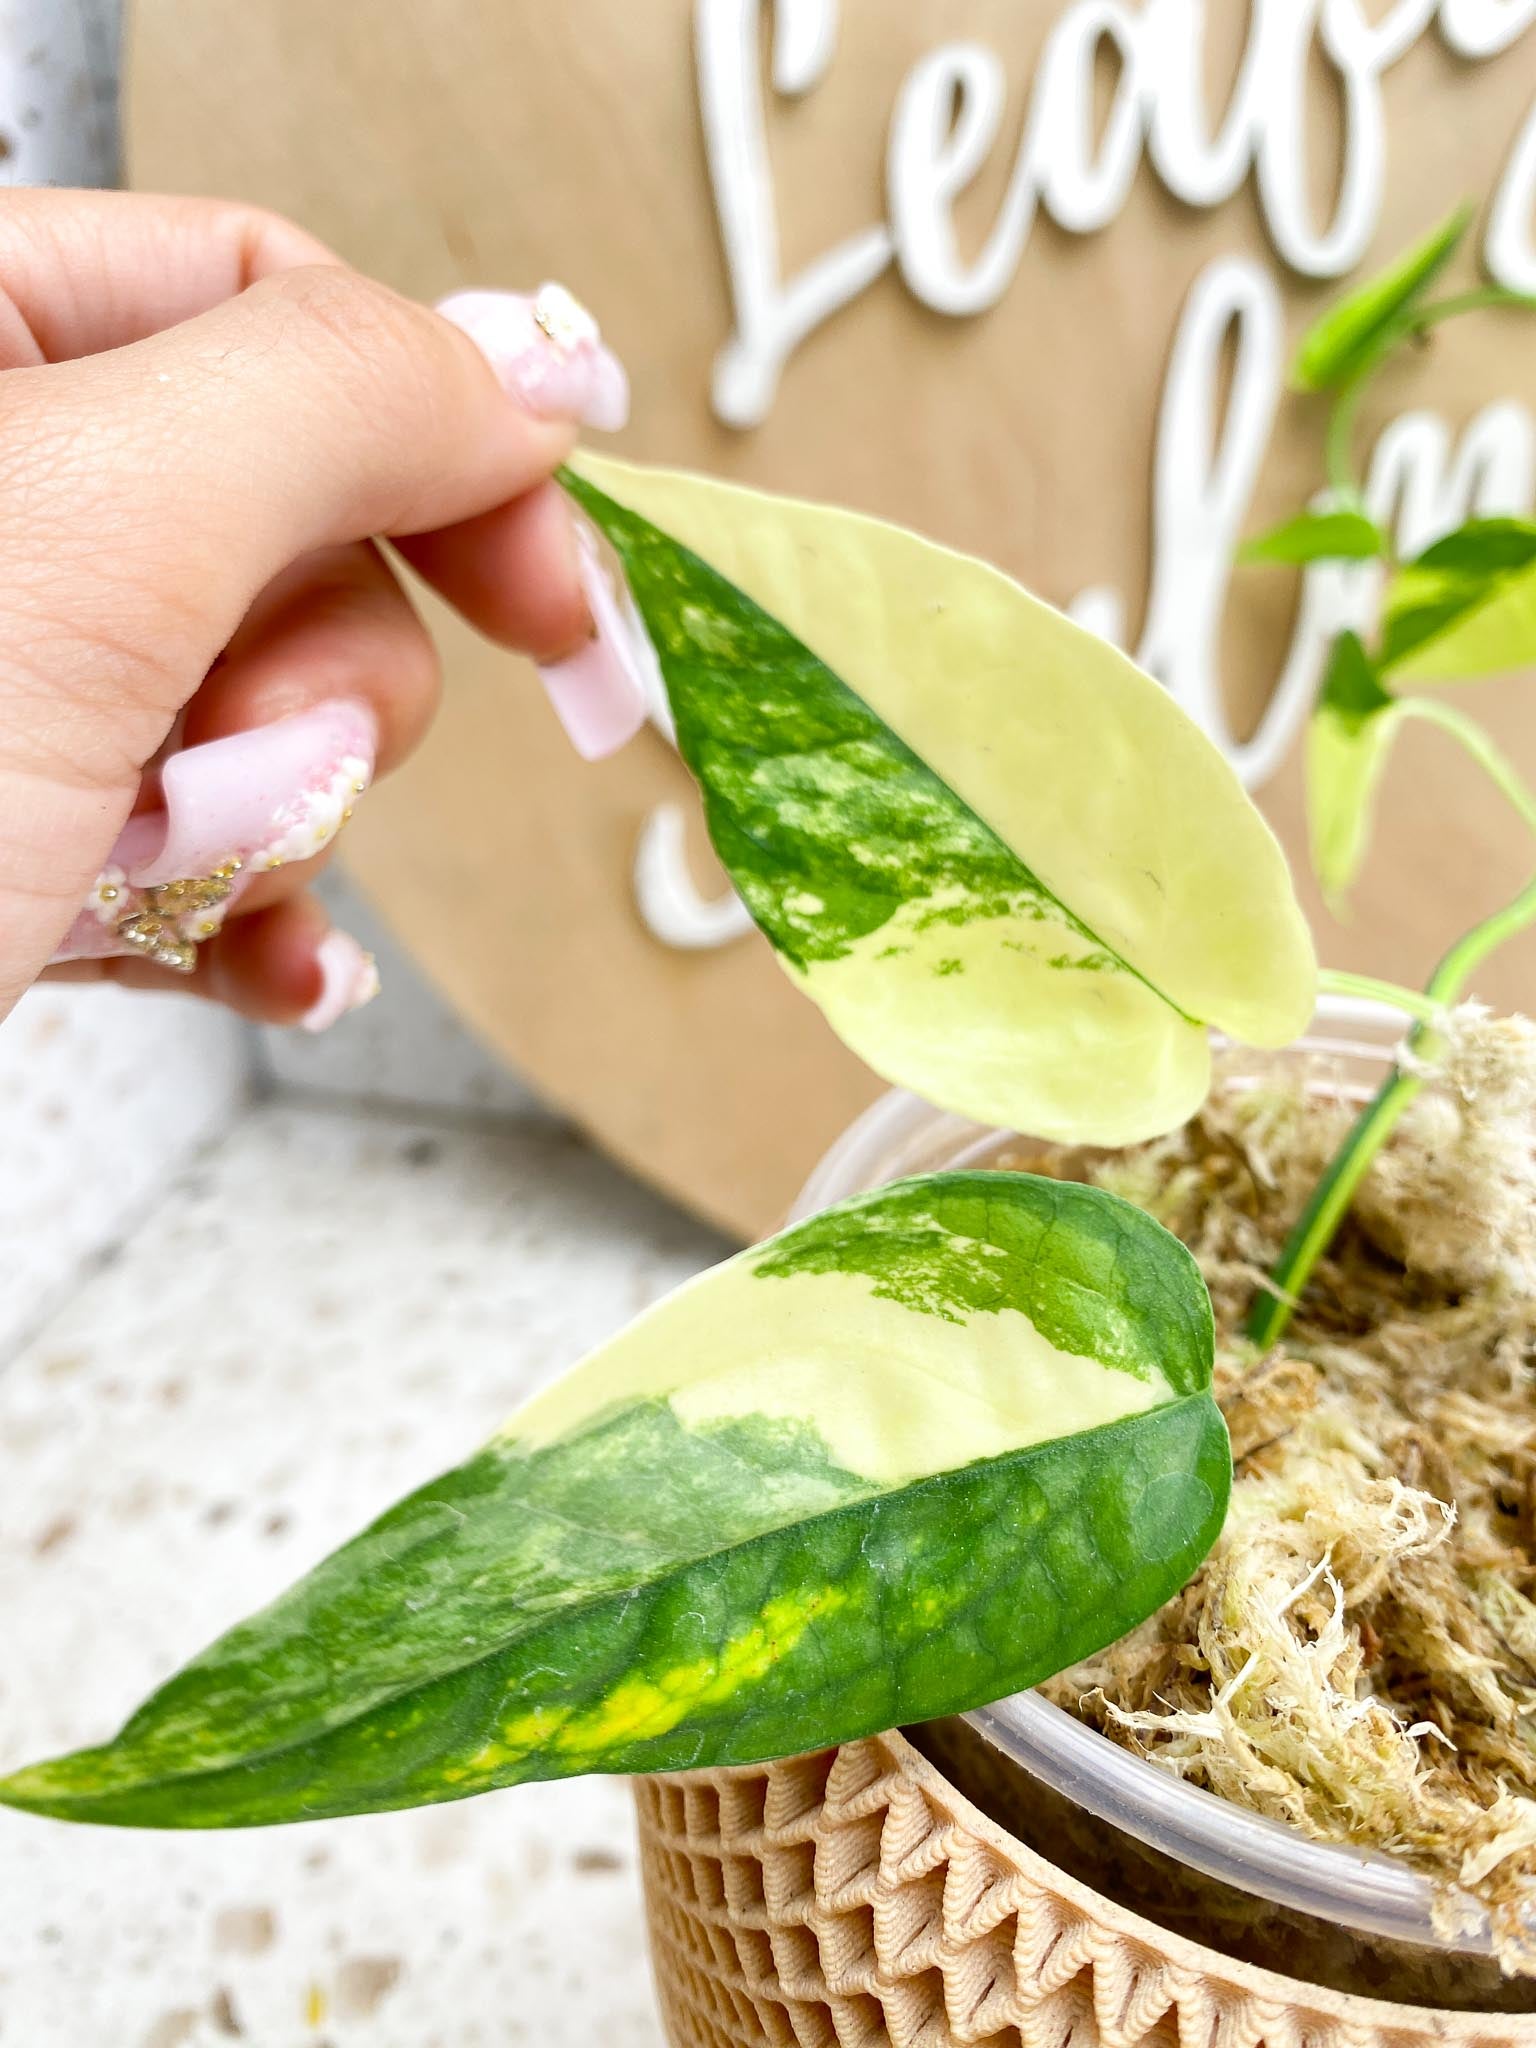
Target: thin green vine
(1319, 1222)
(1344, 415)
(1344, 354)
(1339, 445)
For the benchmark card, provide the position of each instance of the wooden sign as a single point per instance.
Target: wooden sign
(1022, 273)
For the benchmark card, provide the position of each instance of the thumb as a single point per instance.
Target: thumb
(149, 492)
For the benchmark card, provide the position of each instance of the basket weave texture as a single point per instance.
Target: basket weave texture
(853, 1899)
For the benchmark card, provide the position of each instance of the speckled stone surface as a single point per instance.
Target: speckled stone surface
(103, 1096)
(328, 1308)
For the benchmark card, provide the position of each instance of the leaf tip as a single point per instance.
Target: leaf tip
(29, 1790)
(74, 1787)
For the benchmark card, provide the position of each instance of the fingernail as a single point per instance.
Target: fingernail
(348, 979)
(280, 792)
(230, 810)
(548, 353)
(602, 693)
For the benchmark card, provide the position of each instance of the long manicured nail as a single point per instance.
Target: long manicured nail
(602, 693)
(230, 810)
(548, 353)
(280, 792)
(348, 979)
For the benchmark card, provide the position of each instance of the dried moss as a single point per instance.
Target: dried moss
(1358, 1656)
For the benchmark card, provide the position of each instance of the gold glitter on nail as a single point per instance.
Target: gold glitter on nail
(156, 924)
(563, 319)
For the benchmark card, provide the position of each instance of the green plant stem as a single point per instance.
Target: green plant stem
(1335, 981)
(1339, 448)
(1342, 420)
(1485, 299)
(1319, 1222)
(1450, 978)
(1476, 742)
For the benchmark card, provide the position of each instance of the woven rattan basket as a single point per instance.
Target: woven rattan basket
(854, 1898)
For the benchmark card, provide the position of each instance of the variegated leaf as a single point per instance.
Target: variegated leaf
(1348, 741)
(918, 1452)
(1464, 608)
(1011, 871)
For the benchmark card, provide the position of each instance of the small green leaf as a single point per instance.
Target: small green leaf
(1014, 875)
(1342, 536)
(1355, 332)
(1466, 607)
(917, 1453)
(1348, 740)
(1482, 547)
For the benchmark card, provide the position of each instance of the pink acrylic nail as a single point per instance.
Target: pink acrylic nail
(603, 692)
(274, 794)
(548, 353)
(348, 979)
(230, 810)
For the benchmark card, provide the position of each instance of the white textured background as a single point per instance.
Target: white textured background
(252, 1291)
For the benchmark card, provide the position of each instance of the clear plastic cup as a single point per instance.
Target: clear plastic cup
(1355, 1920)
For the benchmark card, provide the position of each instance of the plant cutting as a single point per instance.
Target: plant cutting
(1463, 609)
(709, 1543)
(951, 1437)
(1254, 1179)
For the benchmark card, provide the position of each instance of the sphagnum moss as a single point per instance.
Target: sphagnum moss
(1358, 1655)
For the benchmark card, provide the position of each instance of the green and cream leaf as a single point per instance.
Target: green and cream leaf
(921, 1451)
(1464, 608)
(1348, 741)
(1014, 875)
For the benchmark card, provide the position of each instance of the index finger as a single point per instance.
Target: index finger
(85, 271)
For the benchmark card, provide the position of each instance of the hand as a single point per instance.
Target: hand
(206, 424)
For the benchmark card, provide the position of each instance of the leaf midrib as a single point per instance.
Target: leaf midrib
(690, 752)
